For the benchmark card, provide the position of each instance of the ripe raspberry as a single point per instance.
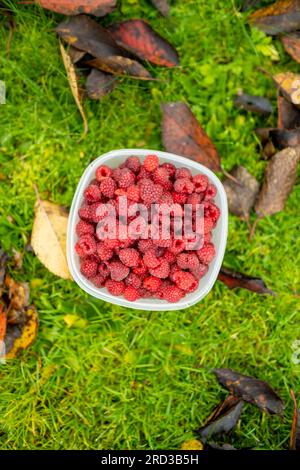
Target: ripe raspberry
(184, 185)
(200, 271)
(130, 257)
(150, 258)
(179, 198)
(111, 243)
(210, 192)
(172, 293)
(212, 211)
(133, 280)
(207, 253)
(187, 261)
(126, 178)
(170, 168)
(143, 174)
(116, 175)
(120, 192)
(103, 172)
(86, 245)
(150, 192)
(163, 242)
(115, 287)
(103, 252)
(166, 198)
(185, 281)
(83, 228)
(177, 246)
(133, 163)
(98, 280)
(88, 268)
(151, 162)
(152, 283)
(108, 187)
(92, 193)
(208, 224)
(162, 271)
(200, 183)
(144, 293)
(161, 176)
(131, 293)
(103, 270)
(100, 211)
(85, 213)
(192, 241)
(144, 245)
(183, 173)
(169, 256)
(118, 271)
(133, 193)
(194, 199)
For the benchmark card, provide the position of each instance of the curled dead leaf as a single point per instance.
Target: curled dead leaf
(99, 84)
(233, 279)
(241, 197)
(20, 334)
(288, 114)
(75, 7)
(289, 85)
(279, 17)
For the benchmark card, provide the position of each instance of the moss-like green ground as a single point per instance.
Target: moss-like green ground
(127, 379)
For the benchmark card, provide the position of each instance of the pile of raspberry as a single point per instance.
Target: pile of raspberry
(145, 267)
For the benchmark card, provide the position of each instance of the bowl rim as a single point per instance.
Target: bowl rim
(145, 304)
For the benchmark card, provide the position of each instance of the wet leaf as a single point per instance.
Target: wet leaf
(99, 84)
(183, 135)
(283, 138)
(192, 444)
(289, 85)
(75, 7)
(21, 333)
(223, 418)
(280, 176)
(279, 17)
(233, 279)
(288, 114)
(295, 431)
(251, 390)
(85, 34)
(162, 6)
(72, 79)
(291, 43)
(137, 37)
(241, 197)
(255, 104)
(48, 237)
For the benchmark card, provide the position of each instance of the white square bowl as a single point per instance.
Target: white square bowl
(113, 159)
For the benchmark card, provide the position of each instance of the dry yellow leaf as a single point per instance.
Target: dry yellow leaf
(193, 444)
(29, 330)
(48, 237)
(72, 79)
(289, 85)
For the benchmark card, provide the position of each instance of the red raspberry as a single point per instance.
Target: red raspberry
(143, 174)
(130, 257)
(162, 271)
(207, 253)
(192, 241)
(103, 270)
(133, 280)
(116, 175)
(185, 281)
(210, 193)
(86, 245)
(92, 193)
(161, 176)
(115, 287)
(85, 213)
(151, 162)
(144, 293)
(173, 270)
(152, 283)
(84, 227)
(100, 211)
(177, 246)
(150, 258)
(208, 224)
(183, 173)
(200, 271)
(118, 271)
(103, 252)
(163, 242)
(172, 293)
(144, 245)
(166, 198)
(88, 268)
(187, 261)
(108, 187)
(133, 193)
(133, 163)
(120, 192)
(194, 199)
(98, 280)
(179, 198)
(141, 269)
(126, 178)
(170, 168)
(103, 172)
(150, 192)
(184, 185)
(131, 293)
(212, 211)
(169, 256)
(111, 243)
(200, 183)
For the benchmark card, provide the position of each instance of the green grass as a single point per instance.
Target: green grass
(131, 379)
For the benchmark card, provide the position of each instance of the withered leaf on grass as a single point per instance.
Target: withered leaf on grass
(162, 6)
(138, 37)
(251, 390)
(2, 324)
(3, 265)
(280, 176)
(18, 293)
(288, 114)
(183, 135)
(295, 431)
(255, 104)
(72, 79)
(74, 7)
(241, 197)
(279, 17)
(283, 138)
(99, 84)
(289, 85)
(291, 43)
(85, 34)
(223, 418)
(48, 237)
(21, 332)
(234, 279)
(75, 54)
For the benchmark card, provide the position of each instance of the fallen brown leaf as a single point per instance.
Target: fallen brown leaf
(233, 279)
(282, 16)
(21, 333)
(99, 84)
(137, 37)
(255, 104)
(251, 390)
(295, 431)
(241, 197)
(283, 138)
(288, 114)
(48, 237)
(2, 324)
(75, 7)
(18, 293)
(291, 43)
(289, 85)
(162, 6)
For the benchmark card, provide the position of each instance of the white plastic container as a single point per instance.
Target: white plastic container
(113, 159)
